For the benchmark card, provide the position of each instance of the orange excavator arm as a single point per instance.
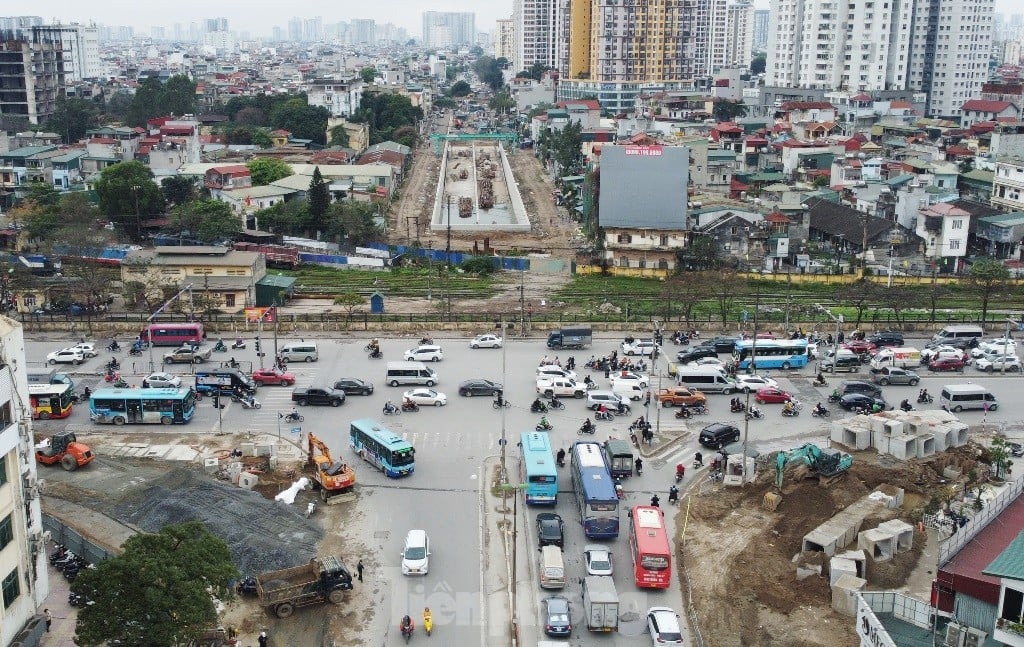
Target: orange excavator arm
(326, 471)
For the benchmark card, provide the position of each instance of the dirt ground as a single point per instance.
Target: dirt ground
(739, 556)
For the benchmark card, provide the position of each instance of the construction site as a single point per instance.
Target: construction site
(477, 191)
(782, 553)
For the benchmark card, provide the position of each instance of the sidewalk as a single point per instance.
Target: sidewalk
(62, 632)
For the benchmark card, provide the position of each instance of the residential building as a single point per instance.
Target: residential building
(944, 228)
(341, 97)
(505, 40)
(1008, 184)
(363, 31)
(227, 178)
(226, 276)
(1002, 235)
(448, 28)
(31, 80)
(977, 110)
(23, 551)
(761, 29)
(67, 169)
(539, 29)
(739, 37)
(79, 46)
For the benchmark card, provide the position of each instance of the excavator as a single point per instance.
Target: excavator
(65, 449)
(827, 464)
(333, 477)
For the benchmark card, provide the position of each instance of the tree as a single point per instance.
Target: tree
(71, 118)
(301, 119)
(178, 189)
(349, 300)
(459, 89)
(536, 71)
(446, 103)
(146, 102)
(687, 291)
(502, 103)
(567, 148)
(157, 592)
(117, 105)
(128, 194)
(265, 170)
(757, 66)
(857, 295)
(178, 96)
(405, 135)
(727, 286)
(251, 117)
(289, 218)
(339, 136)
(488, 70)
(208, 220)
(261, 138)
(725, 110)
(240, 135)
(385, 113)
(702, 254)
(368, 74)
(987, 278)
(354, 222)
(319, 200)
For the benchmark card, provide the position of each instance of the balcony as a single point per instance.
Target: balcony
(1008, 632)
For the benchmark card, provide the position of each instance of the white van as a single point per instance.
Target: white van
(552, 568)
(300, 351)
(957, 397)
(708, 379)
(954, 333)
(410, 373)
(629, 390)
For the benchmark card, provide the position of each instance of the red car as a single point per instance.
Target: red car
(266, 376)
(947, 364)
(860, 347)
(771, 395)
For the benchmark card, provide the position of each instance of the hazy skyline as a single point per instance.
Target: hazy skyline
(258, 17)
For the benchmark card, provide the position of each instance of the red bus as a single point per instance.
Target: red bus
(649, 547)
(173, 334)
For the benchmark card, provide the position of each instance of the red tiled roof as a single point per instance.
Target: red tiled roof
(102, 140)
(591, 104)
(959, 150)
(722, 83)
(806, 105)
(863, 96)
(728, 127)
(736, 185)
(985, 105)
(900, 104)
(233, 169)
(777, 218)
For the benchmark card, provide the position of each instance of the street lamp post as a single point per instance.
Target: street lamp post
(138, 212)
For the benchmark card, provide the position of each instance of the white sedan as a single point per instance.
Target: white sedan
(88, 349)
(995, 347)
(1009, 363)
(66, 356)
(747, 383)
(627, 377)
(598, 559)
(162, 381)
(486, 341)
(426, 397)
(639, 347)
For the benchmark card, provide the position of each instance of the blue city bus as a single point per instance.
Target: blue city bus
(771, 353)
(540, 476)
(142, 406)
(595, 491)
(382, 448)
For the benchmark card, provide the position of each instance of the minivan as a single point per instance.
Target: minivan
(300, 351)
(968, 332)
(224, 381)
(846, 360)
(410, 373)
(705, 378)
(416, 554)
(957, 397)
(552, 568)
(886, 338)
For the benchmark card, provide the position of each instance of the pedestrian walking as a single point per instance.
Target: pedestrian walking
(359, 570)
(262, 640)
(647, 398)
(49, 619)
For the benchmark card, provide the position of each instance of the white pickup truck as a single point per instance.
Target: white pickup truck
(560, 386)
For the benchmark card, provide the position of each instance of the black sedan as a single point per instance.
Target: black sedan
(549, 530)
(354, 386)
(694, 354)
(480, 387)
(557, 613)
(720, 344)
(854, 401)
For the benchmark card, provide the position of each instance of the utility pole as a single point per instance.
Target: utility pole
(522, 300)
(746, 411)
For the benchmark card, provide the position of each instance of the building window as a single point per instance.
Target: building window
(957, 223)
(954, 244)
(229, 299)
(6, 415)
(10, 588)
(624, 238)
(3, 472)
(6, 532)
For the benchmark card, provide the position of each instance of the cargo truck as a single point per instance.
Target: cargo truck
(600, 603)
(323, 579)
(904, 357)
(570, 338)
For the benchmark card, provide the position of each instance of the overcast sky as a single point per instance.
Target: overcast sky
(259, 16)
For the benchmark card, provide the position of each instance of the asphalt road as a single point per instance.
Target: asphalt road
(446, 494)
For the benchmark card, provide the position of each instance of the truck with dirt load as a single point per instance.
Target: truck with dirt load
(322, 580)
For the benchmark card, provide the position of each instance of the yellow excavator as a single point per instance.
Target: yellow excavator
(333, 477)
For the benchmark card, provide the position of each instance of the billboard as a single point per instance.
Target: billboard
(644, 186)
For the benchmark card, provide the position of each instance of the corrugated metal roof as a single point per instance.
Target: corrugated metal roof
(1010, 562)
(964, 571)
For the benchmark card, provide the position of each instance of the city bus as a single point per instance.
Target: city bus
(649, 547)
(540, 476)
(143, 406)
(380, 447)
(595, 491)
(173, 334)
(771, 353)
(50, 400)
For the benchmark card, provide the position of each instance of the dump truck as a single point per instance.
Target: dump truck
(577, 337)
(323, 579)
(600, 603)
(332, 477)
(65, 449)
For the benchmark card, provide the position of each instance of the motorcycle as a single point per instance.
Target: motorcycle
(135, 351)
(407, 630)
(821, 382)
(753, 413)
(684, 413)
(239, 343)
(925, 399)
(250, 403)
(426, 341)
(376, 354)
(120, 383)
(113, 347)
(246, 586)
(219, 347)
(679, 475)
(501, 404)
(587, 429)
(906, 407)
(820, 413)
(428, 623)
(555, 403)
(834, 397)
(790, 413)
(538, 407)
(737, 407)
(543, 425)
(294, 417)
(111, 376)
(607, 415)
(391, 410)
(113, 365)
(410, 406)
